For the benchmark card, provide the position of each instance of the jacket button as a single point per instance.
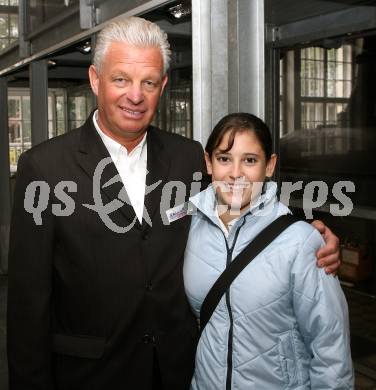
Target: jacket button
(145, 236)
(148, 338)
(149, 286)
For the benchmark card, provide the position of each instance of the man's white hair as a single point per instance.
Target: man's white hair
(136, 32)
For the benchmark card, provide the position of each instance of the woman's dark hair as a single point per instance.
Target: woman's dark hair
(236, 123)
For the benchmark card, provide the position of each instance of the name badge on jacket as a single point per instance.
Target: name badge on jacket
(177, 212)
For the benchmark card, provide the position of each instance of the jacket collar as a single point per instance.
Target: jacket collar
(91, 151)
(206, 202)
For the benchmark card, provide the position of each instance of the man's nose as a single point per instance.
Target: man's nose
(135, 94)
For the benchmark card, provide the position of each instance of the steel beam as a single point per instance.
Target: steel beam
(330, 25)
(5, 202)
(39, 101)
(147, 6)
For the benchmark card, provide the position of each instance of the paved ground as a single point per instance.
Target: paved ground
(363, 328)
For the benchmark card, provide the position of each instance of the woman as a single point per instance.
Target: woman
(283, 323)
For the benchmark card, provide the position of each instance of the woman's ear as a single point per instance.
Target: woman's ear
(270, 166)
(208, 164)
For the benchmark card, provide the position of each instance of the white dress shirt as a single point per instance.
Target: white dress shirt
(131, 167)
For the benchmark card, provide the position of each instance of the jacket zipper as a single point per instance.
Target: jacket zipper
(228, 305)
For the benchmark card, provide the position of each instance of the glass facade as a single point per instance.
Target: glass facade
(328, 145)
(65, 112)
(19, 125)
(329, 130)
(81, 102)
(8, 23)
(175, 108)
(41, 11)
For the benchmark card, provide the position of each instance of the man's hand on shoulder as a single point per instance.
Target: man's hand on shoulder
(329, 255)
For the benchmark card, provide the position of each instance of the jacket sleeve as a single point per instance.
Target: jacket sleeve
(30, 285)
(322, 314)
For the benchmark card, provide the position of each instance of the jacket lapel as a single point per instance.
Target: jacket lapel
(158, 164)
(95, 160)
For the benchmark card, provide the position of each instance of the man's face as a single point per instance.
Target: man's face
(128, 87)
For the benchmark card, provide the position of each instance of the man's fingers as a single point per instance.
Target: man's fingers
(329, 260)
(319, 225)
(330, 250)
(333, 269)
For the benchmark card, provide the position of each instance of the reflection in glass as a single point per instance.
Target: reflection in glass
(8, 24)
(13, 30)
(19, 125)
(329, 132)
(41, 11)
(4, 30)
(175, 109)
(81, 102)
(20, 122)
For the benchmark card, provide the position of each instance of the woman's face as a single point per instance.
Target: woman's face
(238, 174)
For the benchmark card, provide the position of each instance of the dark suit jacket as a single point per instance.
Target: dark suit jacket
(88, 307)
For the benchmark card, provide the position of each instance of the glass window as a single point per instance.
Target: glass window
(8, 23)
(20, 120)
(175, 108)
(13, 26)
(328, 142)
(42, 11)
(4, 25)
(81, 102)
(19, 125)
(56, 112)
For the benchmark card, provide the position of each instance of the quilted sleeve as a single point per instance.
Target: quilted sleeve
(322, 314)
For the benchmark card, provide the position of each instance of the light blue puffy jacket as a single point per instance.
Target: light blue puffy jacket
(283, 324)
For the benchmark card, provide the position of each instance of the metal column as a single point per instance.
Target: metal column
(201, 64)
(228, 58)
(39, 101)
(23, 28)
(251, 33)
(5, 203)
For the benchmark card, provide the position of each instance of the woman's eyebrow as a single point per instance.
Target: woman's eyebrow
(219, 152)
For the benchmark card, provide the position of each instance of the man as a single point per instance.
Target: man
(96, 296)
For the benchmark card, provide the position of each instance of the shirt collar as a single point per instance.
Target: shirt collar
(115, 149)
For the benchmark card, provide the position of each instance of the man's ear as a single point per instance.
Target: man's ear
(164, 82)
(94, 79)
(208, 164)
(270, 166)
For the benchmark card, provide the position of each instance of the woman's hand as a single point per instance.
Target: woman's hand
(329, 255)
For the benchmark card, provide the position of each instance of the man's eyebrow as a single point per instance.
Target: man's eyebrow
(118, 72)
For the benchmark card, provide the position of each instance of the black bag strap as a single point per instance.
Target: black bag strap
(259, 243)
